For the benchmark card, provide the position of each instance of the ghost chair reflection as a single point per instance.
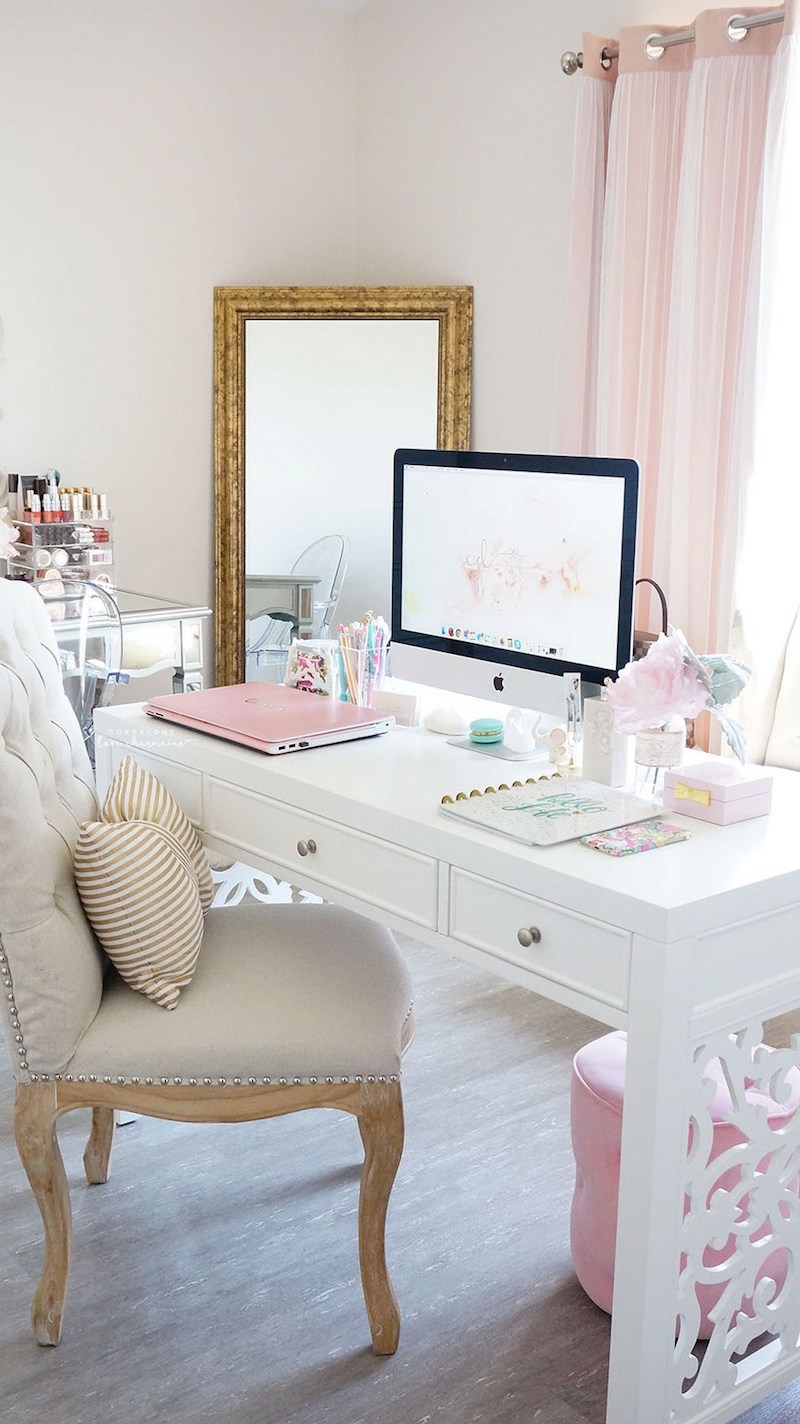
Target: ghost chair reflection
(301, 603)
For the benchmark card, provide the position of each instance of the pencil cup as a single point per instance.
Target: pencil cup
(360, 669)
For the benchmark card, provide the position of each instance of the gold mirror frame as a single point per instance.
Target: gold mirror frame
(451, 307)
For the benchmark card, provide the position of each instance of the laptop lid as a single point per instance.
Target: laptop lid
(269, 717)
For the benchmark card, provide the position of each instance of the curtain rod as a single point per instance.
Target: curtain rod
(655, 44)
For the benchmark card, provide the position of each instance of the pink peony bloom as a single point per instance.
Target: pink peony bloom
(660, 685)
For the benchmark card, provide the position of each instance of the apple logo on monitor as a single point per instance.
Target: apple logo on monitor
(497, 682)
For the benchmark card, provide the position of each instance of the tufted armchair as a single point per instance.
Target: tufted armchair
(290, 1007)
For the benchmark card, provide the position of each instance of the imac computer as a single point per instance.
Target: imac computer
(509, 571)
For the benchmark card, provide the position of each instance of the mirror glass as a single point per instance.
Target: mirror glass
(315, 389)
(325, 401)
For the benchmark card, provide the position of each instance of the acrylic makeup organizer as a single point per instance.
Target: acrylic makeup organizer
(54, 555)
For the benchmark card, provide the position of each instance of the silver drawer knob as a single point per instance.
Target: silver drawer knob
(307, 847)
(527, 937)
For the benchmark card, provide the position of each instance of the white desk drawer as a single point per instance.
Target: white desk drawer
(185, 783)
(387, 876)
(571, 949)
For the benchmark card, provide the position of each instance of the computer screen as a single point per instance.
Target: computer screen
(510, 570)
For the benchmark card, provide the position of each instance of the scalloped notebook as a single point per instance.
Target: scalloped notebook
(550, 810)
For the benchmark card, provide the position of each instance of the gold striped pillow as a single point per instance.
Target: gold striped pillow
(137, 795)
(139, 890)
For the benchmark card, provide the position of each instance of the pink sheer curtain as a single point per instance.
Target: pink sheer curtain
(576, 421)
(697, 499)
(637, 275)
(686, 152)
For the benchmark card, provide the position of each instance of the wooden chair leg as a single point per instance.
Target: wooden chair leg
(35, 1112)
(380, 1122)
(97, 1155)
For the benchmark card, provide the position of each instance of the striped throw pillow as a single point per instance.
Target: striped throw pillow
(139, 890)
(136, 795)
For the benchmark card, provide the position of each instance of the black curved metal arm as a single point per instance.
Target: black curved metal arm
(662, 598)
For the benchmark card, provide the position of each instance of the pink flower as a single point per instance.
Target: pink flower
(660, 685)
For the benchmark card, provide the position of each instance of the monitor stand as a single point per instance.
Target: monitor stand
(503, 753)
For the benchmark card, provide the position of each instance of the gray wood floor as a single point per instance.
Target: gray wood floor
(215, 1275)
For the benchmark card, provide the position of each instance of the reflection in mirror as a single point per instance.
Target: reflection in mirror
(324, 402)
(315, 389)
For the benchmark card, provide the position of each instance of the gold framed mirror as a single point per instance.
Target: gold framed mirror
(314, 389)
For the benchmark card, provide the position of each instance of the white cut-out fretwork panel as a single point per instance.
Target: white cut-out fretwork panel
(237, 882)
(740, 1239)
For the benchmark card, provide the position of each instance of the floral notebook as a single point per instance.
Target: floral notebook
(630, 840)
(550, 810)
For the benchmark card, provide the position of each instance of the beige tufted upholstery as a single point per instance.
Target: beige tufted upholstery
(290, 1007)
(46, 790)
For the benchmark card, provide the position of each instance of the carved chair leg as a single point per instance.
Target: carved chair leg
(97, 1155)
(35, 1131)
(380, 1122)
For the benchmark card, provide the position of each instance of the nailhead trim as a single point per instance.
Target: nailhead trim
(237, 1082)
(193, 1082)
(165, 1082)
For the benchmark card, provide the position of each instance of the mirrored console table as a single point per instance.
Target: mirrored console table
(157, 633)
(289, 598)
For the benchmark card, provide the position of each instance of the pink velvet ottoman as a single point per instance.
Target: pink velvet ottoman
(598, 1086)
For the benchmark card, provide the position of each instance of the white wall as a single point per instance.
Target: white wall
(464, 144)
(151, 151)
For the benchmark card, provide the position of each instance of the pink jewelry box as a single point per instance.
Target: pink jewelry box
(719, 791)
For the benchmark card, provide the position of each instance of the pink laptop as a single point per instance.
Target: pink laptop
(269, 717)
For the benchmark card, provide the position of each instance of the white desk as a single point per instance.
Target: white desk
(681, 947)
